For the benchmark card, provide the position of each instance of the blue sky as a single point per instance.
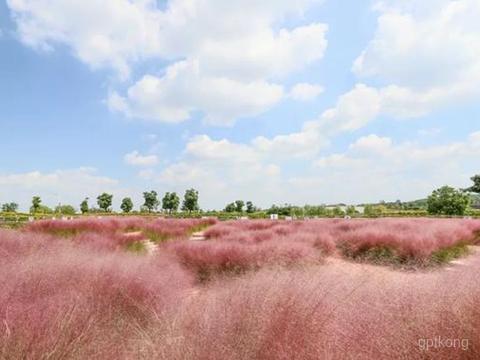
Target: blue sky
(279, 101)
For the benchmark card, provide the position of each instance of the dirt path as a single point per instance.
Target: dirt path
(462, 262)
(149, 245)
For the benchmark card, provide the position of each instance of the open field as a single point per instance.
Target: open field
(318, 289)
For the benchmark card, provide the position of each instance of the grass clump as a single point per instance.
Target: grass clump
(136, 247)
(446, 255)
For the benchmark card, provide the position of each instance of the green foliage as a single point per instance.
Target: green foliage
(171, 202)
(285, 210)
(475, 188)
(239, 204)
(36, 204)
(310, 210)
(127, 205)
(230, 208)
(190, 201)
(84, 206)
(104, 201)
(250, 207)
(446, 255)
(42, 209)
(136, 247)
(65, 210)
(151, 200)
(448, 201)
(10, 207)
(375, 210)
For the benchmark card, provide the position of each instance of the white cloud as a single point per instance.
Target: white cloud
(224, 59)
(295, 145)
(371, 169)
(184, 89)
(428, 54)
(202, 147)
(222, 167)
(305, 92)
(353, 110)
(65, 186)
(374, 168)
(101, 33)
(136, 159)
(371, 144)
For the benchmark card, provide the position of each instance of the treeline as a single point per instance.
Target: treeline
(169, 203)
(445, 201)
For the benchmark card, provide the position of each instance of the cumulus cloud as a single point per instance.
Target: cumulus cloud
(184, 88)
(376, 166)
(372, 143)
(101, 33)
(136, 159)
(65, 186)
(371, 169)
(305, 91)
(426, 53)
(224, 59)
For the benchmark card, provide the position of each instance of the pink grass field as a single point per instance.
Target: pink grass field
(252, 290)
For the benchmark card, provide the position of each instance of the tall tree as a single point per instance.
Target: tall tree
(10, 207)
(151, 200)
(239, 204)
(230, 208)
(190, 201)
(104, 201)
(36, 204)
(475, 188)
(65, 210)
(448, 201)
(127, 205)
(84, 206)
(250, 207)
(170, 202)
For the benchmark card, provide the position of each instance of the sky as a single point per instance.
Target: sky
(274, 101)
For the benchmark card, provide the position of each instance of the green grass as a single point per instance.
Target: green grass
(65, 233)
(446, 255)
(136, 247)
(379, 255)
(155, 237)
(198, 228)
(382, 255)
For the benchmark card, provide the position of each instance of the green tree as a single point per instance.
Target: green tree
(127, 205)
(36, 204)
(351, 211)
(45, 210)
(448, 201)
(475, 188)
(230, 208)
(250, 207)
(84, 206)
(104, 201)
(65, 210)
(151, 200)
(190, 201)
(171, 202)
(10, 207)
(239, 204)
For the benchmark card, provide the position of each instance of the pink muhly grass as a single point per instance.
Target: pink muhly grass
(213, 258)
(64, 301)
(116, 232)
(414, 239)
(339, 311)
